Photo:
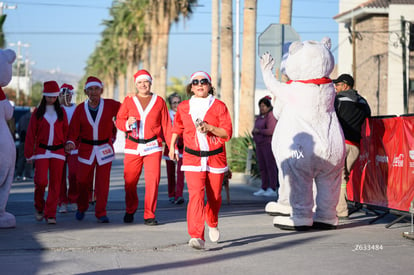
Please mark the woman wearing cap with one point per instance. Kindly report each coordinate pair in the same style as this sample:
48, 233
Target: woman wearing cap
68, 196
46, 135
145, 120
92, 127
264, 127
205, 124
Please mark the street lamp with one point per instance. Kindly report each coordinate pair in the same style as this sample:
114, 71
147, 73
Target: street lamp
5, 6
19, 44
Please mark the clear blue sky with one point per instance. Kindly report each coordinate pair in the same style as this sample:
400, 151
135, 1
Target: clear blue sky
62, 34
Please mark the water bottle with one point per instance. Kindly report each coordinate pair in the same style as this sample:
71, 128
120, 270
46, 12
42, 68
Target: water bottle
134, 130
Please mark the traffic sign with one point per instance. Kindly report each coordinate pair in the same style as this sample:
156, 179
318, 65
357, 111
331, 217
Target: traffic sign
276, 39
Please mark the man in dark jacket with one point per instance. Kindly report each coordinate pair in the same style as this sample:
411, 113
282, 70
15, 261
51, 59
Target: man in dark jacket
352, 110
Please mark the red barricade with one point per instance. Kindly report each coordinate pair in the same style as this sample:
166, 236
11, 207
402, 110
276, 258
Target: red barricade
383, 175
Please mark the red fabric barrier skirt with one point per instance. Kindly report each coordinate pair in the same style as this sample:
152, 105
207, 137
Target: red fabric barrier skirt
383, 175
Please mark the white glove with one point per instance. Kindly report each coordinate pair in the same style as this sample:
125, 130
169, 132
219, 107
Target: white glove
266, 62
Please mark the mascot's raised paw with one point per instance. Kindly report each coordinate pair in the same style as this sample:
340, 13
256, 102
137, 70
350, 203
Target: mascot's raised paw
266, 62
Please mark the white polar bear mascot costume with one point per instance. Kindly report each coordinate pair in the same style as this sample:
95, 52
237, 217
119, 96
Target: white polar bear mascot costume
308, 142
7, 146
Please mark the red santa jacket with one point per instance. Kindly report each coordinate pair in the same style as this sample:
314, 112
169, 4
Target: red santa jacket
153, 125
217, 115
95, 137
46, 137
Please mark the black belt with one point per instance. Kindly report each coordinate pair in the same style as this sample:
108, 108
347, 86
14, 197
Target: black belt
141, 140
94, 142
203, 153
51, 147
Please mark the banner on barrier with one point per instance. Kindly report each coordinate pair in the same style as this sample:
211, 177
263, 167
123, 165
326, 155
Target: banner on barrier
383, 175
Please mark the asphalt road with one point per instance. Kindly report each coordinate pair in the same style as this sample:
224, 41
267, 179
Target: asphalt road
249, 242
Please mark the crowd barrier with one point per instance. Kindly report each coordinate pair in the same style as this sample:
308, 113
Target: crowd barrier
383, 175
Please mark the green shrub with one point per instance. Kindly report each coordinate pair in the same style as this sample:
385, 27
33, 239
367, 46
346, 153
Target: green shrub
237, 152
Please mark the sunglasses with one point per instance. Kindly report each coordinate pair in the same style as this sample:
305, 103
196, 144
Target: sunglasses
203, 81
175, 102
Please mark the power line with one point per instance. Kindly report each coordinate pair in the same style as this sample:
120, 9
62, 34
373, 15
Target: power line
59, 5
171, 33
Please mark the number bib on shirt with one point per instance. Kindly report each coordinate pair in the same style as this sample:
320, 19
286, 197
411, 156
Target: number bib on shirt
104, 154
151, 147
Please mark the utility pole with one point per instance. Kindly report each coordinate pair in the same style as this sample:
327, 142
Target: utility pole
237, 73
353, 37
215, 44
285, 18
5, 6
403, 41
378, 58
19, 44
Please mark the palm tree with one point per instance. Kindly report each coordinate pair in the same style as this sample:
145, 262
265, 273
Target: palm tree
137, 34
162, 14
129, 34
248, 70
2, 39
226, 55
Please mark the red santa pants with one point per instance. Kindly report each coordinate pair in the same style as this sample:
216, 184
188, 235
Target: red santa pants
132, 171
69, 195
85, 177
48, 172
175, 186
198, 214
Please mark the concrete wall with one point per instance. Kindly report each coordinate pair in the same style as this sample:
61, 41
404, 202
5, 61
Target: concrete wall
395, 99
372, 62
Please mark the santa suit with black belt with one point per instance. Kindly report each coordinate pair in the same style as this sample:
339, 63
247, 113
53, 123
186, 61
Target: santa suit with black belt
44, 144
204, 160
143, 149
95, 151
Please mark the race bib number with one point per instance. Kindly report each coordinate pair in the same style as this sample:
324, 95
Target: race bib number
150, 146
104, 154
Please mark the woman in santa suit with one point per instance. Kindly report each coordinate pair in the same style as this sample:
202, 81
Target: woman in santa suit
205, 124
45, 139
145, 120
92, 128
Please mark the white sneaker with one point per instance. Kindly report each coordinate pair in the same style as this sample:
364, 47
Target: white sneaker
63, 208
270, 193
214, 234
259, 193
196, 243
39, 216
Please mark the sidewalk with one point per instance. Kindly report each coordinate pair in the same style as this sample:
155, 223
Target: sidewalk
249, 244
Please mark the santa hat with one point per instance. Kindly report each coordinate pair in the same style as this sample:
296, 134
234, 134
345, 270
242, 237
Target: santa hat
201, 73
142, 75
66, 88
51, 88
93, 81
